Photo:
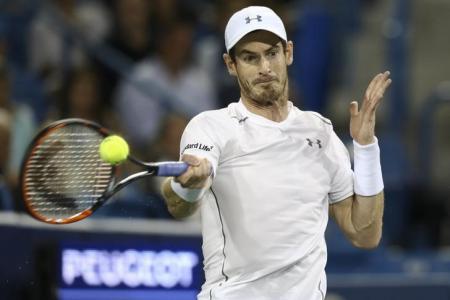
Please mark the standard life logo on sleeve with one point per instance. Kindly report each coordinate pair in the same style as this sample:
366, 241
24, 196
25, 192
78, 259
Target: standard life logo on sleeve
198, 146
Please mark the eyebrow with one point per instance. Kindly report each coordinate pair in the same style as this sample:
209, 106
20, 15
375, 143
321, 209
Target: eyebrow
274, 47
245, 51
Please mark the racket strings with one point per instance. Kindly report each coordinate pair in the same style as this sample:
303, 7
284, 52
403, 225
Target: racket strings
65, 175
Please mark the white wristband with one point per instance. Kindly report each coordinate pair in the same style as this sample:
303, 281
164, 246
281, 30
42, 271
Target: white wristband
368, 179
189, 195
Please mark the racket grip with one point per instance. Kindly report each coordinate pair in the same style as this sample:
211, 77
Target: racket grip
171, 169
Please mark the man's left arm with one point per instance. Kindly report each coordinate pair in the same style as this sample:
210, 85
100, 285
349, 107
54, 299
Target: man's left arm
360, 216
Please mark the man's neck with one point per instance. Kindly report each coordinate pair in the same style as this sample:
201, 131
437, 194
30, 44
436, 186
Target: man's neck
277, 111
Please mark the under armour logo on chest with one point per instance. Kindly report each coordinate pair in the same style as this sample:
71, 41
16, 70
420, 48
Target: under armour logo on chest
248, 19
317, 142
242, 120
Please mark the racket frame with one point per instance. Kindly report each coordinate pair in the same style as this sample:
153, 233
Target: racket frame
37, 140
150, 169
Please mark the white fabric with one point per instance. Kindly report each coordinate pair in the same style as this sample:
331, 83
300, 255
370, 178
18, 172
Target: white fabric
368, 177
189, 195
250, 19
263, 220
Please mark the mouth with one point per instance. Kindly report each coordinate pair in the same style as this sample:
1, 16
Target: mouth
264, 80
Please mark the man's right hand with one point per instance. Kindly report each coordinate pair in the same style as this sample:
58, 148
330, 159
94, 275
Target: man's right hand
198, 173
197, 176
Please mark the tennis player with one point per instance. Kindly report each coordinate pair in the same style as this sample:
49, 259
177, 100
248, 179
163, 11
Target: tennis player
267, 175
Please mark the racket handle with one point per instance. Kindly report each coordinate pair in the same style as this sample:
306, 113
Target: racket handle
171, 168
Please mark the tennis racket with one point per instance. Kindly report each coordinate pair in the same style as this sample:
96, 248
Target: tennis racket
64, 180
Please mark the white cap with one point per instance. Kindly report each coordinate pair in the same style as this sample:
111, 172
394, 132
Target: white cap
250, 19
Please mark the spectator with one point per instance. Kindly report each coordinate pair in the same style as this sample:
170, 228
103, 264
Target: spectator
53, 49
22, 125
6, 200
130, 36
80, 98
165, 11
166, 148
167, 144
170, 78
211, 47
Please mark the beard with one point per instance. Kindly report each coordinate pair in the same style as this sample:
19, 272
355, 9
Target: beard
264, 93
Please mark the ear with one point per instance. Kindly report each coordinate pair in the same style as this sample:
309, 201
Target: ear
231, 65
289, 53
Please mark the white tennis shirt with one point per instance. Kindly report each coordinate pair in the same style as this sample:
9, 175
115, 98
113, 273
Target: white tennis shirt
264, 218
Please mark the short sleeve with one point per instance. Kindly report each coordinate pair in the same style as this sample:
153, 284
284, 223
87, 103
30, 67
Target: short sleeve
341, 170
199, 139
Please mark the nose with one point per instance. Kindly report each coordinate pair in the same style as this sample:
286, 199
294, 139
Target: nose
265, 66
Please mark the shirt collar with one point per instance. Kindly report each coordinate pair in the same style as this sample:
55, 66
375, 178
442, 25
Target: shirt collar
241, 112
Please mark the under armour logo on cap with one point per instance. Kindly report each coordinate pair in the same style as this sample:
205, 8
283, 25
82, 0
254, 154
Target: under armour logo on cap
255, 18
248, 19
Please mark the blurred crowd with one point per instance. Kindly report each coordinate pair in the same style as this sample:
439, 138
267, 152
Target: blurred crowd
143, 68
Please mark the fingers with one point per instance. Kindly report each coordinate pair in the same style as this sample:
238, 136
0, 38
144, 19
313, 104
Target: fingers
375, 91
380, 86
370, 88
371, 92
384, 85
379, 89
353, 109
190, 159
197, 173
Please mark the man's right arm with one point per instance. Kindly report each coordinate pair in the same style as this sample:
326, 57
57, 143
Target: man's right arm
178, 207
182, 194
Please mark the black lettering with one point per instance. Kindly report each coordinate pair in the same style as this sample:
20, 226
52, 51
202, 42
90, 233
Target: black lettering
199, 146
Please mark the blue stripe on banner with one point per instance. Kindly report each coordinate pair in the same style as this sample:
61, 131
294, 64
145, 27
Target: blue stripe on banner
113, 294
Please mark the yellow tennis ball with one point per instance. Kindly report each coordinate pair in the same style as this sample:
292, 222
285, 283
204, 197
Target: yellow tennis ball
114, 149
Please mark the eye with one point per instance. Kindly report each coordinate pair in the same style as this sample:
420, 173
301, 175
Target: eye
249, 58
273, 53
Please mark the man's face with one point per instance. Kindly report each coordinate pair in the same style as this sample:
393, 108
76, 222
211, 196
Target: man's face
260, 66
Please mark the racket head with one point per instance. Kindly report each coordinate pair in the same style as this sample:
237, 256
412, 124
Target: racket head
63, 178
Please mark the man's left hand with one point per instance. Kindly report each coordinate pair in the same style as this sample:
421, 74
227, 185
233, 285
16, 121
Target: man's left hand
362, 122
